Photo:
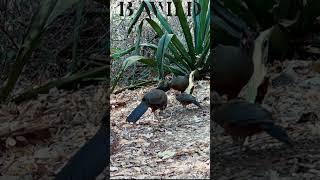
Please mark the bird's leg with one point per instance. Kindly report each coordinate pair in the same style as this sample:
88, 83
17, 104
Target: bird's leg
157, 117
184, 107
160, 113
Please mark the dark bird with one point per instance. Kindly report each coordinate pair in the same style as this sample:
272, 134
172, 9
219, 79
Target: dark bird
232, 67
186, 99
164, 85
91, 159
242, 119
155, 99
180, 83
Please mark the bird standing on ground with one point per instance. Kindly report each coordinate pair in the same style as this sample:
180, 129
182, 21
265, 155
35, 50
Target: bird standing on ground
186, 99
180, 83
232, 67
164, 85
242, 119
155, 99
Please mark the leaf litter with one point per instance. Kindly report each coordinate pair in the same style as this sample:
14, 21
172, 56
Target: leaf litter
177, 146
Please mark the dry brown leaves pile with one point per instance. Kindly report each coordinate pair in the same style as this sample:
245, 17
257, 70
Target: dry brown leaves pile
37, 137
177, 146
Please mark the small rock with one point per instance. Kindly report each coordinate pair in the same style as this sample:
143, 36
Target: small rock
112, 169
10, 142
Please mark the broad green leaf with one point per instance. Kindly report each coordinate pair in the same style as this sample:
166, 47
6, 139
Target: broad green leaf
172, 48
202, 58
262, 11
131, 60
175, 40
185, 27
30, 42
168, 56
136, 17
238, 8
228, 17
137, 44
117, 55
60, 7
162, 48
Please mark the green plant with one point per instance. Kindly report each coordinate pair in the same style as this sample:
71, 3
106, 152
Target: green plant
172, 55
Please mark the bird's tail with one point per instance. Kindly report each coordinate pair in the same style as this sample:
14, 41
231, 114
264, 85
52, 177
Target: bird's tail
137, 112
197, 103
278, 133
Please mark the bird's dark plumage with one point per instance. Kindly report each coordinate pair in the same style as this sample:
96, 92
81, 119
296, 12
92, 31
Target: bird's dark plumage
185, 99
164, 86
138, 112
155, 99
232, 67
241, 119
91, 159
180, 83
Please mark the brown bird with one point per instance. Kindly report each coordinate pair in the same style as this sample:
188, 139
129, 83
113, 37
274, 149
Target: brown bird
155, 99
242, 119
164, 85
232, 67
186, 99
180, 83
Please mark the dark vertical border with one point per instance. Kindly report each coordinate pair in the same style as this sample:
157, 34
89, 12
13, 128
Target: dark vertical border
211, 78
108, 108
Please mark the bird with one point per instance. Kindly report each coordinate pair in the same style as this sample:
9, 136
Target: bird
186, 99
179, 83
164, 85
155, 99
91, 159
242, 119
232, 67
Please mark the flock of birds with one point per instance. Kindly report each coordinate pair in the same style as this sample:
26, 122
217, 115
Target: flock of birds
157, 98
233, 68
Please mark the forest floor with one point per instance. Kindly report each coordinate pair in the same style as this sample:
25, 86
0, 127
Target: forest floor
294, 100
175, 147
39, 136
